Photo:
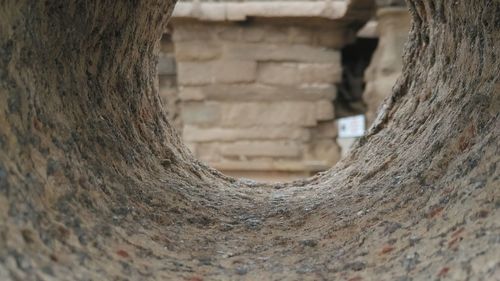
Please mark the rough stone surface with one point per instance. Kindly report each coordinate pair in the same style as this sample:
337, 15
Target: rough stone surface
96, 185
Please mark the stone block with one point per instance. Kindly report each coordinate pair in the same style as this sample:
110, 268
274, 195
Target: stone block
243, 10
197, 134
316, 91
201, 113
197, 51
191, 94
229, 32
270, 164
234, 71
251, 114
254, 34
319, 73
194, 73
325, 130
166, 65
324, 110
260, 92
279, 52
169, 94
191, 32
300, 35
209, 152
265, 33
256, 114
369, 30
275, 73
333, 38
201, 73
261, 148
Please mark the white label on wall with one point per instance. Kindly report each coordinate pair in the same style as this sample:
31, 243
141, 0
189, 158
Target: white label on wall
351, 127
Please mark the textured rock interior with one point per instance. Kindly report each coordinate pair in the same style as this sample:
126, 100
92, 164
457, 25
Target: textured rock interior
95, 183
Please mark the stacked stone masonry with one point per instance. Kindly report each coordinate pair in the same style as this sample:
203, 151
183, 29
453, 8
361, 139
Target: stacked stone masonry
253, 94
259, 96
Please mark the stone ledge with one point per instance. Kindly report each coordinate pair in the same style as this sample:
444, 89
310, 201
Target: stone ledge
369, 30
261, 148
282, 166
217, 134
240, 11
257, 92
402, 11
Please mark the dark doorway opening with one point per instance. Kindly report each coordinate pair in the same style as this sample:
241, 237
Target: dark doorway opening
355, 59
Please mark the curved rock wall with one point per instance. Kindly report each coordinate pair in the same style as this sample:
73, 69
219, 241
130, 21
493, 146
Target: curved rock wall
95, 184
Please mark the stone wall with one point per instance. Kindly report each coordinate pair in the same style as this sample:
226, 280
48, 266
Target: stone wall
386, 65
257, 98
167, 80
252, 86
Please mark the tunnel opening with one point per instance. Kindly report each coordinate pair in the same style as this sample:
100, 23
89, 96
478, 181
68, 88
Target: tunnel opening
271, 116
96, 185
356, 58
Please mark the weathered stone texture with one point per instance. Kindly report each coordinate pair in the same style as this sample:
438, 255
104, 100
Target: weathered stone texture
96, 185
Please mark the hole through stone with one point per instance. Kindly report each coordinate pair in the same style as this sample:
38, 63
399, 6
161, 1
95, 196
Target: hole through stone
96, 184
253, 112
